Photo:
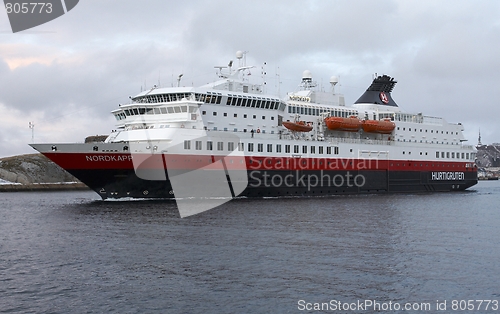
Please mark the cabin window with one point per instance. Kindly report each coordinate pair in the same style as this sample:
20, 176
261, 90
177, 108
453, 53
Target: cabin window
241, 147
203, 112
198, 145
230, 146
255, 116
225, 114
260, 147
220, 145
437, 154
236, 115
245, 116
329, 150
184, 108
214, 113
336, 150
170, 110
320, 150
187, 144
269, 148
463, 155
278, 148
304, 149
250, 147
263, 117
287, 149
210, 145
313, 149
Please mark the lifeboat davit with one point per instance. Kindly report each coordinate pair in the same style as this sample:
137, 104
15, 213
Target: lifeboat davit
385, 126
351, 124
299, 126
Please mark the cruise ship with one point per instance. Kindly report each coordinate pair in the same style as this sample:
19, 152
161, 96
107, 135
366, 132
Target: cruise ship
230, 138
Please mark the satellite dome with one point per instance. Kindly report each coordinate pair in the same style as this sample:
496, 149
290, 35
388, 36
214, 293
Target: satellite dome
239, 54
307, 75
334, 80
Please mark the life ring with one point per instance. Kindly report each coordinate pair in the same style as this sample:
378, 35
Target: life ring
258, 130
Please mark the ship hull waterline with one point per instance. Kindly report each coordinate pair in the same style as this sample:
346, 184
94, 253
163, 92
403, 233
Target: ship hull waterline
266, 178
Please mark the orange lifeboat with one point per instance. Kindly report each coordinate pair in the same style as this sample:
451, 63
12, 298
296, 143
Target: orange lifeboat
385, 126
299, 126
351, 124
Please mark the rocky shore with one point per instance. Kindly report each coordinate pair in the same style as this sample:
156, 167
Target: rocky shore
35, 172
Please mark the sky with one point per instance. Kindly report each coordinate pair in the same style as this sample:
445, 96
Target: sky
65, 76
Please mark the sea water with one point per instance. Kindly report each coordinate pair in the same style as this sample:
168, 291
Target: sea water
69, 252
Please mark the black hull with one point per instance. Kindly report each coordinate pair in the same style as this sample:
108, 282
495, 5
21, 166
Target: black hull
110, 183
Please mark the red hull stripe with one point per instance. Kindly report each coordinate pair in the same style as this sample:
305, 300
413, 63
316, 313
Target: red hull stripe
82, 161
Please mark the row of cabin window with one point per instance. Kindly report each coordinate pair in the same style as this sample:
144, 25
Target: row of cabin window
254, 102
157, 110
405, 117
153, 99
318, 111
297, 149
455, 155
235, 115
426, 141
432, 131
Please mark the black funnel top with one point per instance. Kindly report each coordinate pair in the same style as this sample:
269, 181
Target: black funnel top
379, 92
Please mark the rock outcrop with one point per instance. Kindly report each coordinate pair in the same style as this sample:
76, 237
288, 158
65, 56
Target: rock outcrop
32, 169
